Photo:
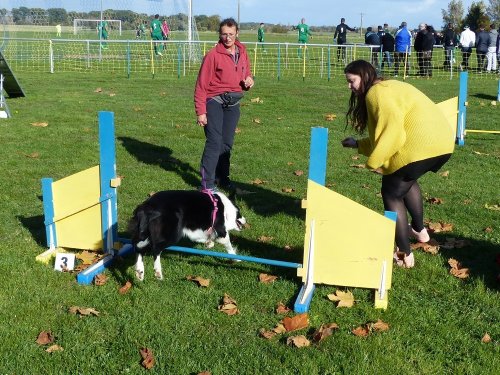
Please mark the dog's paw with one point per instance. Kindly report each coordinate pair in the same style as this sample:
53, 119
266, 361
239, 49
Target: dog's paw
139, 275
158, 275
209, 244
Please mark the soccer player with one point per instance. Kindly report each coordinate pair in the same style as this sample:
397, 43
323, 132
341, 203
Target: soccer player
156, 34
341, 36
103, 32
304, 34
260, 36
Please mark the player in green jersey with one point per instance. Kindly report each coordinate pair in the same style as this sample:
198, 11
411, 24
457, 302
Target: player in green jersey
102, 31
260, 36
304, 34
156, 34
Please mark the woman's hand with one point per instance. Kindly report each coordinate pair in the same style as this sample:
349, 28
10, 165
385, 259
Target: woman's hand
202, 120
248, 83
350, 142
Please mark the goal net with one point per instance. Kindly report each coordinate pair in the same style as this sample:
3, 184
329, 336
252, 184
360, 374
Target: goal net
86, 26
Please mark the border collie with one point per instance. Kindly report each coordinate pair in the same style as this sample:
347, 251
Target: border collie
167, 216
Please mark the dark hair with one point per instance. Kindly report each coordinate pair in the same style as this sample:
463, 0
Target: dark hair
357, 115
229, 22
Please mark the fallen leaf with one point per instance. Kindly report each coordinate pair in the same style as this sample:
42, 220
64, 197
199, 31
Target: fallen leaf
87, 257
279, 329
488, 230
379, 326
255, 100
440, 227
199, 280
256, 120
324, 331
267, 334
359, 166
84, 311
54, 348
457, 270
330, 117
361, 331
434, 200
237, 131
267, 279
257, 181
228, 305
344, 299
148, 360
494, 207
298, 173
282, 309
296, 322
355, 157
40, 124
44, 338
444, 174
33, 155
265, 239
486, 338
479, 153
289, 163
125, 288
431, 247
279, 118
100, 279
298, 341
98, 89
112, 94
287, 190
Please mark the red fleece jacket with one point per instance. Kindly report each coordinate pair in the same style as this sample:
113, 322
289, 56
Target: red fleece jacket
219, 74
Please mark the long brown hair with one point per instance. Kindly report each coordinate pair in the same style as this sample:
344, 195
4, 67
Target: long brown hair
357, 114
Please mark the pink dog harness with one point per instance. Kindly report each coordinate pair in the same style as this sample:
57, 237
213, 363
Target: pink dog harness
214, 211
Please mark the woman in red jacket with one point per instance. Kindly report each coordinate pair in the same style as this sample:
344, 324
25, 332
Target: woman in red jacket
224, 75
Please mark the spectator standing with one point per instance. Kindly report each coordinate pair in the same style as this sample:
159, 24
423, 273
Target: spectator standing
449, 44
402, 47
341, 36
156, 34
387, 46
165, 30
482, 43
303, 35
372, 39
424, 42
408, 136
492, 50
224, 74
260, 36
467, 41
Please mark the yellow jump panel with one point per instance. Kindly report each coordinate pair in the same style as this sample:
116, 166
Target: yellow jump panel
353, 244
77, 212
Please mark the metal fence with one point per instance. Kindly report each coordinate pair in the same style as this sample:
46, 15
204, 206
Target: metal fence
274, 60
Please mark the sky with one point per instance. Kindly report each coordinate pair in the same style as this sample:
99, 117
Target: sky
286, 12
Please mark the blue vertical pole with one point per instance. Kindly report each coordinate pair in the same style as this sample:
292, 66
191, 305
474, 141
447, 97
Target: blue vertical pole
128, 60
107, 172
317, 156
498, 92
462, 109
48, 210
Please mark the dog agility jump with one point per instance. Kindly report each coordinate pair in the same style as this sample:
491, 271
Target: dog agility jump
81, 213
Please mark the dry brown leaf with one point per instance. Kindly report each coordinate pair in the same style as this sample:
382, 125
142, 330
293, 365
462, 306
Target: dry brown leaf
457, 270
255, 100
33, 155
298, 172
282, 309
228, 305
330, 117
288, 248
344, 299
298, 341
361, 331
444, 174
355, 157
431, 247
296, 322
199, 280
287, 190
98, 89
40, 124
83, 311
486, 338
494, 207
488, 230
267, 279
379, 326
125, 288
265, 239
440, 227
267, 334
148, 361
434, 200
44, 338
289, 163
100, 279
87, 257
54, 348
279, 329
256, 120
112, 94
257, 181
324, 331
359, 166
237, 130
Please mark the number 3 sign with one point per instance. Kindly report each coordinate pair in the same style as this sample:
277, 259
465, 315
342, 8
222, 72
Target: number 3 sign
64, 262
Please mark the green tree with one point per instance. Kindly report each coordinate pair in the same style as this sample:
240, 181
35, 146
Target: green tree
453, 14
19, 15
57, 16
493, 10
477, 16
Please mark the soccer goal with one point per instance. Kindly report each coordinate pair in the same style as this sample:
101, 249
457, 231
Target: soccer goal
86, 25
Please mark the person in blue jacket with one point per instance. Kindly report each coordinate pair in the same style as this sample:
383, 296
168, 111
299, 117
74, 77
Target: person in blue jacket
402, 47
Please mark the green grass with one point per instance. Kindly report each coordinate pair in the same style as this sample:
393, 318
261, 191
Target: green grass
436, 321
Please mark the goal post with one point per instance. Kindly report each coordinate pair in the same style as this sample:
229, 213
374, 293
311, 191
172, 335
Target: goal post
87, 24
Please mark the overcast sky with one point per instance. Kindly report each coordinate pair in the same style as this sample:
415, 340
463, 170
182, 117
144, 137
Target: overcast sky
288, 12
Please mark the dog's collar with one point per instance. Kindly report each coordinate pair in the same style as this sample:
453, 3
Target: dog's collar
214, 210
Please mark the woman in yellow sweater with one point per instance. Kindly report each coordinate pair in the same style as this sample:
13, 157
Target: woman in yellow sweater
408, 136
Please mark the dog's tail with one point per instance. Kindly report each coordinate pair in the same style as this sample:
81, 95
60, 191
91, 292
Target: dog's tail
139, 228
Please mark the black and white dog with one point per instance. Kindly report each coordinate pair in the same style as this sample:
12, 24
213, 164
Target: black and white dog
167, 216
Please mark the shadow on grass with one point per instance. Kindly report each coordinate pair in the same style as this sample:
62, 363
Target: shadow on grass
485, 96
482, 258
262, 201
36, 226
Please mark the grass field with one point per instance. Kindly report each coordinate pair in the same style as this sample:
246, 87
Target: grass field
436, 321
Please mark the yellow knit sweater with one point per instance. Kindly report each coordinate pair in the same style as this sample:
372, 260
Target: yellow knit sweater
404, 126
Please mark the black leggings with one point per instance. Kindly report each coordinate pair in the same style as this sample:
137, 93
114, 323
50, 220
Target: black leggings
401, 194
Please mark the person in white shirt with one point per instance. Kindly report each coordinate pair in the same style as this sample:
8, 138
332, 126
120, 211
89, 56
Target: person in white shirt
467, 41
